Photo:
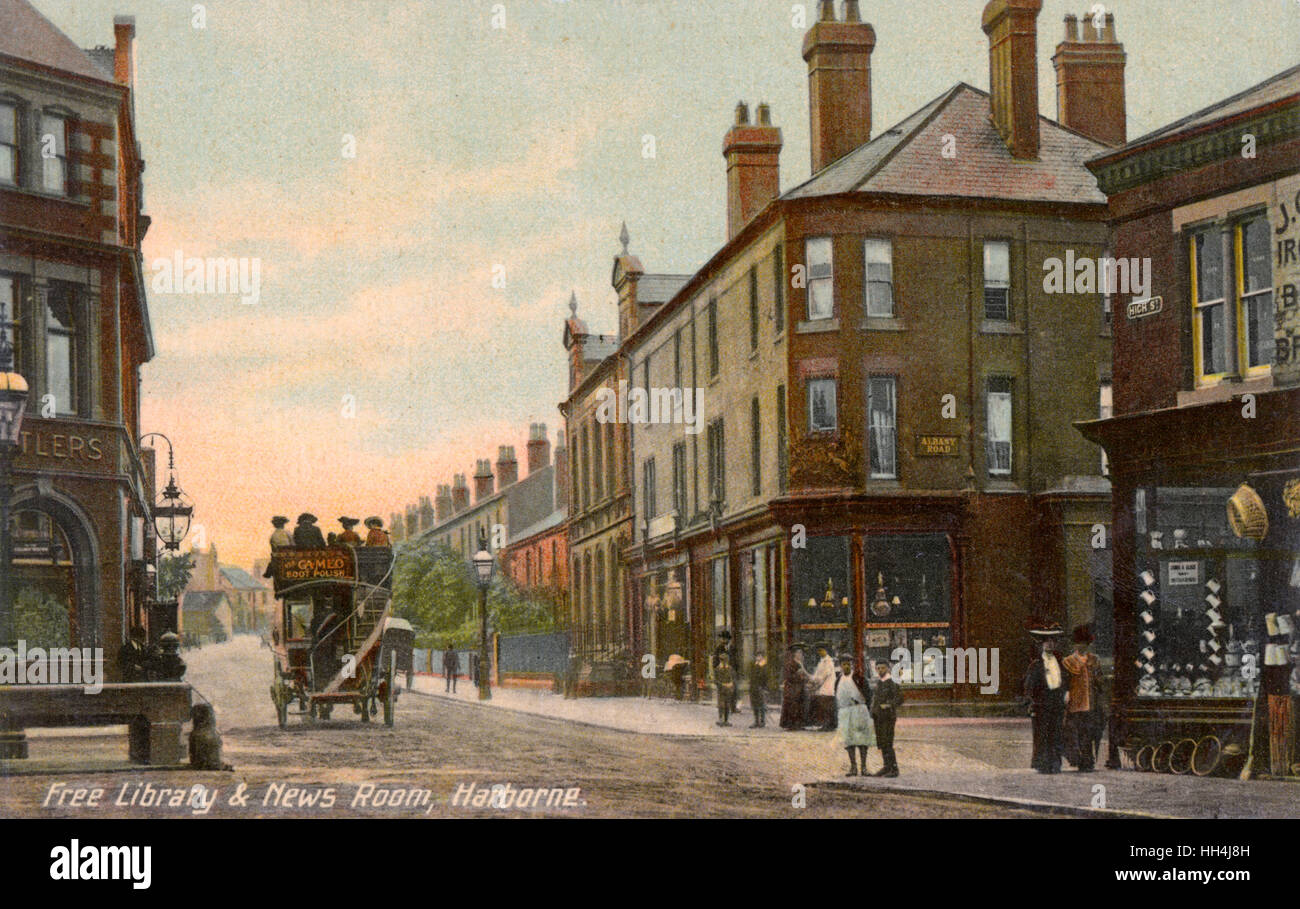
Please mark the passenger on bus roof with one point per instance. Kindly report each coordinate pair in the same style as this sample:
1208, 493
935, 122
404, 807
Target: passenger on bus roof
307, 533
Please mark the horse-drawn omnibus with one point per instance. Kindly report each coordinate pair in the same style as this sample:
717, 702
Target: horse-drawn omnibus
333, 643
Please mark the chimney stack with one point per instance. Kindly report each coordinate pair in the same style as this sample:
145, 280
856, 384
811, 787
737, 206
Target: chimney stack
426, 514
561, 471
443, 507
753, 154
507, 467
1012, 27
482, 480
412, 522
1090, 81
539, 447
839, 83
459, 493
123, 38
396, 526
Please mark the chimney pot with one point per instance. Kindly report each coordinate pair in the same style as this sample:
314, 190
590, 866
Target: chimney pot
838, 55
1071, 27
1012, 28
851, 11
1090, 84
827, 11
539, 448
753, 156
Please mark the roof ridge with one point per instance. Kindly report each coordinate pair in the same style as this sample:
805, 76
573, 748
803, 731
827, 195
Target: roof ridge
1222, 102
939, 103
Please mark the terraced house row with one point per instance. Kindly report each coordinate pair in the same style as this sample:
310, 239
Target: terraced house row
884, 452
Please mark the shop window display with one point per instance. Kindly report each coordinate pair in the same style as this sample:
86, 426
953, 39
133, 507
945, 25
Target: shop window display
908, 600
1208, 599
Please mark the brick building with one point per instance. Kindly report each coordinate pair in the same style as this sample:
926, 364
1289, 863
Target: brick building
72, 302
1206, 428
886, 378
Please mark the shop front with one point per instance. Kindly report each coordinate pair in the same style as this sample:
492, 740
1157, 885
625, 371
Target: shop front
1207, 587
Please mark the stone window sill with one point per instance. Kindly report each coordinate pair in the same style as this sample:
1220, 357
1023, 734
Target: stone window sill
816, 326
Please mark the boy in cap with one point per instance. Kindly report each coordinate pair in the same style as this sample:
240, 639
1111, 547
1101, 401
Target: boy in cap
377, 535
759, 679
884, 714
1083, 702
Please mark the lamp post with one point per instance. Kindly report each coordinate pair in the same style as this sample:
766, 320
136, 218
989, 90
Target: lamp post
173, 510
483, 563
13, 403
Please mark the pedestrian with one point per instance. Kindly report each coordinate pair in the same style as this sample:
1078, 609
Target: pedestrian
1046, 687
450, 667
1084, 716
727, 647
725, 680
474, 668
885, 705
794, 681
822, 686
760, 678
854, 716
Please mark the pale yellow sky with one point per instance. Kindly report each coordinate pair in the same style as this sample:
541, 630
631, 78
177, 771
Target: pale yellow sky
477, 147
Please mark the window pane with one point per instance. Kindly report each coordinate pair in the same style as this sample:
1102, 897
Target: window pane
997, 303
880, 276
997, 264
999, 428
1257, 272
1213, 347
1260, 346
882, 405
1209, 266
821, 299
8, 124
8, 164
821, 405
58, 352
819, 257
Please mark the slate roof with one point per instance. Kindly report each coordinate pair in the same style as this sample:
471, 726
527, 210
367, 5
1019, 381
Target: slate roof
908, 159
239, 578
550, 522
653, 289
27, 35
1276, 88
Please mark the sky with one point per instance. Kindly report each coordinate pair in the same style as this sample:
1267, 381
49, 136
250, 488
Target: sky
422, 189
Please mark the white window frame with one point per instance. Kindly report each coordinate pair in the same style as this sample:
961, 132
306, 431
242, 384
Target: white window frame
819, 257
9, 114
994, 282
878, 255
825, 382
884, 436
1000, 427
57, 166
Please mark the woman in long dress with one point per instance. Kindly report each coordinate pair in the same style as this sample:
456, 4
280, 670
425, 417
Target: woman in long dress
854, 715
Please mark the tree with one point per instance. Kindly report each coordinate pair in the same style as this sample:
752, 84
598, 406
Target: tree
435, 590
174, 576
40, 619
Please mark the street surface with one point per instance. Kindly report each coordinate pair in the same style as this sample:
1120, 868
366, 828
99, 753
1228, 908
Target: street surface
439, 745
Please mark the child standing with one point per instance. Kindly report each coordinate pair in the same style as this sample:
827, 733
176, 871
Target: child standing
759, 679
725, 679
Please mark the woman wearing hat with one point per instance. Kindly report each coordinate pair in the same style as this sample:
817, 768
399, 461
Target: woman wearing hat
1046, 686
793, 680
377, 535
307, 534
349, 537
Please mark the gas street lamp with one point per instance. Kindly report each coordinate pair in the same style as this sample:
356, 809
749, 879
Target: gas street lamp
173, 510
483, 564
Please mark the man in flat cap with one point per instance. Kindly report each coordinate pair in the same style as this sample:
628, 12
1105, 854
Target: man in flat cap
377, 535
349, 537
307, 534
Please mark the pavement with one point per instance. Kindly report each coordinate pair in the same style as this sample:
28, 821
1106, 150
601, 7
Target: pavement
961, 759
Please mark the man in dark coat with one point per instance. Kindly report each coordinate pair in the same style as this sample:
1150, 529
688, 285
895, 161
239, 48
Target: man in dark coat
307, 534
727, 648
1046, 685
793, 681
760, 678
884, 714
450, 667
